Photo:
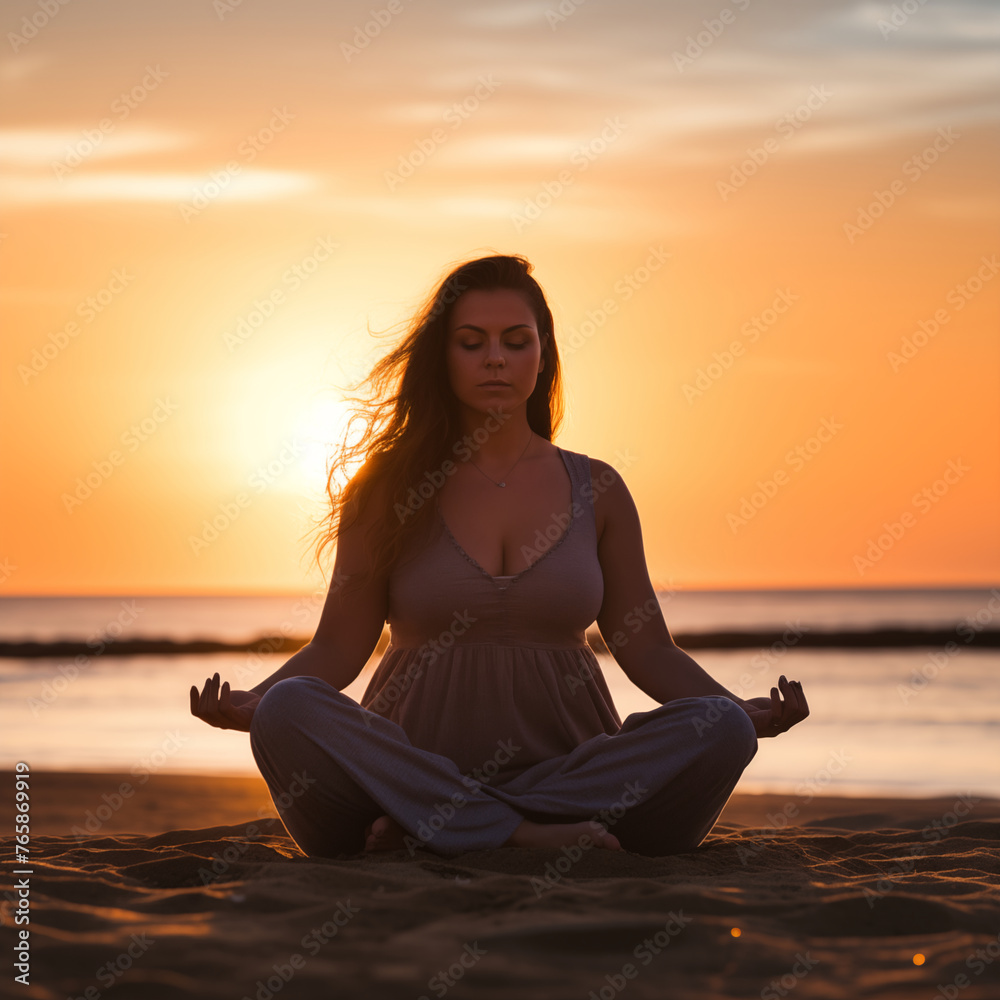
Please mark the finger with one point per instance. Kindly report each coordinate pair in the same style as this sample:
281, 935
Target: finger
775, 711
803, 704
798, 709
213, 694
226, 709
210, 700
195, 699
791, 698
203, 701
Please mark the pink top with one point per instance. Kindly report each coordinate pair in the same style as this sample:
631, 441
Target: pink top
483, 668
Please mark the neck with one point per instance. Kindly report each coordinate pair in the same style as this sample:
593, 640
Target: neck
496, 437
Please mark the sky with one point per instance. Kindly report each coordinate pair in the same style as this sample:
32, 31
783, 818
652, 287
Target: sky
768, 233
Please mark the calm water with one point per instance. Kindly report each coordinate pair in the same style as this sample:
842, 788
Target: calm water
885, 721
45, 619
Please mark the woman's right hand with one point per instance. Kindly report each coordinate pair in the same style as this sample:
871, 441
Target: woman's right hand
224, 709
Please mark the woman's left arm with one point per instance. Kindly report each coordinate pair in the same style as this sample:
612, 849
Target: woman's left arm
632, 624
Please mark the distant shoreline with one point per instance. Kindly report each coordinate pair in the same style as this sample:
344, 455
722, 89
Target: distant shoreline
813, 638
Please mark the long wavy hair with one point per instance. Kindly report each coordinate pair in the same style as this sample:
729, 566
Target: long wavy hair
412, 421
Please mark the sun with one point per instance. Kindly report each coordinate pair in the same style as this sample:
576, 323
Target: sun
319, 430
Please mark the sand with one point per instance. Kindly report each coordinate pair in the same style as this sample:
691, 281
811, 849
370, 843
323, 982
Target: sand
188, 887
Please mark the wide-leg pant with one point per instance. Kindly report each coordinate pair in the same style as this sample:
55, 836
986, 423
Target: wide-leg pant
332, 767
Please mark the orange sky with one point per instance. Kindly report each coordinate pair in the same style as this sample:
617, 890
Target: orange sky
171, 175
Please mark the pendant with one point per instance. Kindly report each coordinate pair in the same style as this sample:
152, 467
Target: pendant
501, 484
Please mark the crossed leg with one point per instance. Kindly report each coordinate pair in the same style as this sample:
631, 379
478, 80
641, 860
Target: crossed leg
661, 781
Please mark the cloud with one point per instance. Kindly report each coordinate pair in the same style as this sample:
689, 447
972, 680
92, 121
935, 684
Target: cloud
42, 147
248, 185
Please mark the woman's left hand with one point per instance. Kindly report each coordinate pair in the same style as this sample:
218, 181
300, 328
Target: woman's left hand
223, 709
777, 714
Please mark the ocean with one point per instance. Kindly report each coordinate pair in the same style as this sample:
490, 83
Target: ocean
883, 721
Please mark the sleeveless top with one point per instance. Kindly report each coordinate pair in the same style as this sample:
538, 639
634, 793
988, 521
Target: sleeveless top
495, 673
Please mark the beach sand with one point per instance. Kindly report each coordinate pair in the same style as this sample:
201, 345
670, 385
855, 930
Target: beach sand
184, 886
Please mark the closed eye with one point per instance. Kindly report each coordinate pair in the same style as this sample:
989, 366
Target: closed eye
474, 347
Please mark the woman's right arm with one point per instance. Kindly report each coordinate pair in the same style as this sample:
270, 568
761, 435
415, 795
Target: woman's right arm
348, 631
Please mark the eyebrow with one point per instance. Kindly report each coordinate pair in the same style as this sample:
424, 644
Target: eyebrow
479, 329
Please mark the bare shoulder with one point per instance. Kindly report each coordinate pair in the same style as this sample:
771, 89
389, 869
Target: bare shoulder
609, 491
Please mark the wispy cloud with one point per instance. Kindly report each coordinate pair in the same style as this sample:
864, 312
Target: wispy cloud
43, 147
248, 185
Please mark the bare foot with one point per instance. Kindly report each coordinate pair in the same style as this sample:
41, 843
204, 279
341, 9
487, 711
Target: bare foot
385, 834
530, 834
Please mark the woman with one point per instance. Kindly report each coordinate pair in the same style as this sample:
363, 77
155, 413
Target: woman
489, 550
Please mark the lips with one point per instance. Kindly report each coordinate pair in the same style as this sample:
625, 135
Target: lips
494, 383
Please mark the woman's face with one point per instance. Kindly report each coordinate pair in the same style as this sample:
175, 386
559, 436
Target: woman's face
493, 335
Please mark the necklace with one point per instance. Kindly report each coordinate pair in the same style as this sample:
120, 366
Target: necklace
511, 469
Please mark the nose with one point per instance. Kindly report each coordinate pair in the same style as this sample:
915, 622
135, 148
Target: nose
494, 358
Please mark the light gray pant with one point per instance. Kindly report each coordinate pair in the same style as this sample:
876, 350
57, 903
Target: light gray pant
332, 767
